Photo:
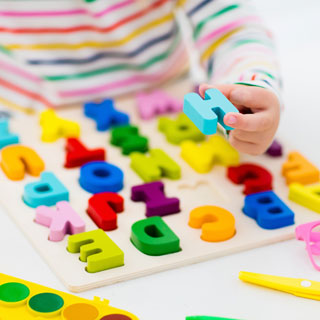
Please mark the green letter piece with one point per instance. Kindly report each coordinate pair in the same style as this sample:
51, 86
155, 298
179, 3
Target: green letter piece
97, 249
128, 138
152, 168
180, 129
153, 237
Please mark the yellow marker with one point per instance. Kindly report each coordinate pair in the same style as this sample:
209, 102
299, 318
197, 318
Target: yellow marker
54, 127
203, 157
25, 300
298, 169
298, 287
308, 197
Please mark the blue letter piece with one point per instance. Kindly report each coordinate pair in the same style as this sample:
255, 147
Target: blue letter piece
268, 210
6, 138
100, 176
105, 115
48, 191
206, 114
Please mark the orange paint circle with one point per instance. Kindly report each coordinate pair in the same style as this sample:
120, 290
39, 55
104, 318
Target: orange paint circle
80, 311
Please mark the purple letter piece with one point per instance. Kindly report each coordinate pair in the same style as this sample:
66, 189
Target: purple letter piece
156, 202
275, 150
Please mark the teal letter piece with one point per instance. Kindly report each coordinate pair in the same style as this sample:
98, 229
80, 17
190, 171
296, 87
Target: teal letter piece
48, 191
6, 138
206, 114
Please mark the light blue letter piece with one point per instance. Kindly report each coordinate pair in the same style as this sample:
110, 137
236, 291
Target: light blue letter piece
206, 114
48, 191
6, 138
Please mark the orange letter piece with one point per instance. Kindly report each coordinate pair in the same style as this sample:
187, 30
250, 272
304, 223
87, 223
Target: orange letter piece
18, 159
299, 169
217, 224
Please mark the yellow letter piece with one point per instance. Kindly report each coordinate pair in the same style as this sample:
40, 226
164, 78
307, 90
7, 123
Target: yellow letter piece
299, 169
18, 159
308, 197
203, 157
217, 223
54, 127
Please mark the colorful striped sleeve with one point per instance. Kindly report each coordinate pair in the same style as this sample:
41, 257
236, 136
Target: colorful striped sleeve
20, 88
57, 53
75, 51
234, 45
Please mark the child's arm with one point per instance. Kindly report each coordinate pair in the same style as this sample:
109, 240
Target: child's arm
238, 55
20, 88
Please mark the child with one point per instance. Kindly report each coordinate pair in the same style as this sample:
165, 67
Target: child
58, 52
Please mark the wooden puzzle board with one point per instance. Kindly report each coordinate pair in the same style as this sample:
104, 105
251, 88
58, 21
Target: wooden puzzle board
193, 189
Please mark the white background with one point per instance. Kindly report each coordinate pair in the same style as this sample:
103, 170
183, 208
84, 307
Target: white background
212, 288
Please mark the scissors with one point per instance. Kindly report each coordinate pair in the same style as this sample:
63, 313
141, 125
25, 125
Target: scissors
205, 318
298, 287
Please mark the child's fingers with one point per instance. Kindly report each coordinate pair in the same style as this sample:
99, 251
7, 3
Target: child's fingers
202, 89
248, 136
224, 88
245, 147
262, 139
252, 97
255, 122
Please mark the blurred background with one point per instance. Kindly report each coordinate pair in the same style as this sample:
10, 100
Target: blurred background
296, 28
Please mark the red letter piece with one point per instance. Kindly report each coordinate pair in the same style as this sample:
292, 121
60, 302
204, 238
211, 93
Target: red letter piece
78, 155
255, 178
103, 208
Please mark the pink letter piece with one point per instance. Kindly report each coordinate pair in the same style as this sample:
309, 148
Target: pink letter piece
64, 220
156, 102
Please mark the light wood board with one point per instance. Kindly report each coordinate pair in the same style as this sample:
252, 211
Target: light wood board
193, 190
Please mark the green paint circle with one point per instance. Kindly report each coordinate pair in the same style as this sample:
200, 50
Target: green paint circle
13, 292
46, 302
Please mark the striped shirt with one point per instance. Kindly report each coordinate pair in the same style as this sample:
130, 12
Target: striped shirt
57, 52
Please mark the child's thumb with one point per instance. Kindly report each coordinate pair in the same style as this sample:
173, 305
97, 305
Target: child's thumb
247, 122
241, 96
250, 97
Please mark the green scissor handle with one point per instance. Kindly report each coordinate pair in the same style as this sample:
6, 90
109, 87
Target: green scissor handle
207, 318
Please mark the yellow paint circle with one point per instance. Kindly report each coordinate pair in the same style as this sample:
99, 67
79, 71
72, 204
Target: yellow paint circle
80, 311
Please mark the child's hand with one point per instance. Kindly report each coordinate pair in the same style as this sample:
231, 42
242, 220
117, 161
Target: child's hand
257, 122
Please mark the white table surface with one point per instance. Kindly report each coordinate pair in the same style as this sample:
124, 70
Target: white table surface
212, 288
